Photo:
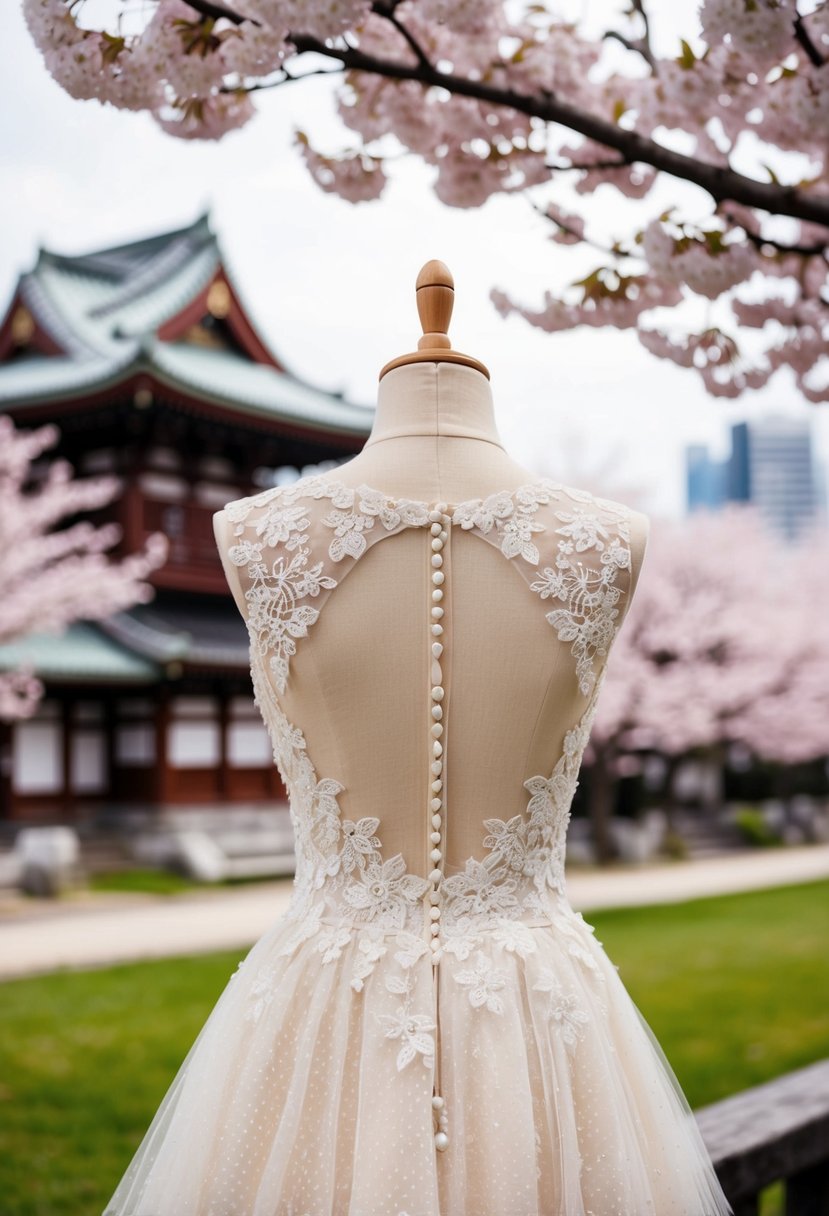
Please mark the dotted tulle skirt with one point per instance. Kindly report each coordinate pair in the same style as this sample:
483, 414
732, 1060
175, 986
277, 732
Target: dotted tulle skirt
309, 1093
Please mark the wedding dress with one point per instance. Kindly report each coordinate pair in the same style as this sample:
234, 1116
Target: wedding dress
430, 1029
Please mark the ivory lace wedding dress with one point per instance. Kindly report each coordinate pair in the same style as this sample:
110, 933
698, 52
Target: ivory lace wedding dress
430, 1029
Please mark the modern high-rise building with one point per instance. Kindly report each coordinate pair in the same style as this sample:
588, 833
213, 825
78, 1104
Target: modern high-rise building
706, 479
771, 465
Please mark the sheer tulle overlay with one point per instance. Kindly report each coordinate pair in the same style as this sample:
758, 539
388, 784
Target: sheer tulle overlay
437, 1039
289, 1102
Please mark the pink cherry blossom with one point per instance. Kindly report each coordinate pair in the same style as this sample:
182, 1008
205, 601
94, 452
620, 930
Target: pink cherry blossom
52, 576
726, 640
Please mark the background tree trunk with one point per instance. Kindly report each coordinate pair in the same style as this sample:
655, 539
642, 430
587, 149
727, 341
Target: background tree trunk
600, 805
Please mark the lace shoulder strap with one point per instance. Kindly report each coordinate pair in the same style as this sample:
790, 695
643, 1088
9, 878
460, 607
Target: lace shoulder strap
573, 549
293, 545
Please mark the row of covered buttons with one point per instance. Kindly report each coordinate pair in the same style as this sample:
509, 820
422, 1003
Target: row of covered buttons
439, 524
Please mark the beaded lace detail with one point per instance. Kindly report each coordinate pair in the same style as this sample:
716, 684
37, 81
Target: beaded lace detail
345, 889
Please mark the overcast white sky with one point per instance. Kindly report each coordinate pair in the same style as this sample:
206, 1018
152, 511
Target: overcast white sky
331, 285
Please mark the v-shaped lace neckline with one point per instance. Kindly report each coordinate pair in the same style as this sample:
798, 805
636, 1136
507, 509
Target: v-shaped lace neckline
364, 490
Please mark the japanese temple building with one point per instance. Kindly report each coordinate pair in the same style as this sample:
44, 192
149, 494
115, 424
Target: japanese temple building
145, 359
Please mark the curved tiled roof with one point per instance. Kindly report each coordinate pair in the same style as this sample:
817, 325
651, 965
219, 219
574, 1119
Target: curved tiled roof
104, 310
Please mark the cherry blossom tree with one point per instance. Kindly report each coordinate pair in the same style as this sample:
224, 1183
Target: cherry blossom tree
52, 576
507, 97
726, 641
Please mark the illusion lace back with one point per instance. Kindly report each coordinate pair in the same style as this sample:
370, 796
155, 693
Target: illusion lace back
430, 1029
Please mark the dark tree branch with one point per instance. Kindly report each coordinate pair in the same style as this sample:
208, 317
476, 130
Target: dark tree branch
388, 11
286, 78
597, 164
641, 45
208, 8
639, 5
608, 250
819, 249
805, 39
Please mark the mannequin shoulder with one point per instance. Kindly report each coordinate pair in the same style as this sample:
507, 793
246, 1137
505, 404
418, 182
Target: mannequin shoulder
639, 525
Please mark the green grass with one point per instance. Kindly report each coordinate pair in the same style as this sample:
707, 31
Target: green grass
156, 882
735, 988
165, 882
85, 1058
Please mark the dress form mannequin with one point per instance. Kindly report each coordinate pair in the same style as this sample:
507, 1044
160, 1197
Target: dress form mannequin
429, 1028
434, 439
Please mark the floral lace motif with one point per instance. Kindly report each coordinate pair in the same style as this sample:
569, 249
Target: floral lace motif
346, 893
563, 1009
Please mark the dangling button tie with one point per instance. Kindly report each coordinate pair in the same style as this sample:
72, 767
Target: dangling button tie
441, 1135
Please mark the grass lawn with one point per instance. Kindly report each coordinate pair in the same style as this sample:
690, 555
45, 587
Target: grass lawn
736, 989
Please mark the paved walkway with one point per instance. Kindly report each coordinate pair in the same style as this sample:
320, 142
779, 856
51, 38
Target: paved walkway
97, 929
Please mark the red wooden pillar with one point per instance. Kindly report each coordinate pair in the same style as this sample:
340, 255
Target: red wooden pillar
7, 799
108, 705
224, 791
162, 730
66, 796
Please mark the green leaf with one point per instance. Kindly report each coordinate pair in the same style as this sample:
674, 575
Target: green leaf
687, 59
112, 47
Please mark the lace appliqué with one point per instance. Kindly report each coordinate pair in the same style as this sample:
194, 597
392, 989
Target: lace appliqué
526, 855
279, 585
484, 982
590, 597
261, 992
340, 870
413, 1030
277, 615
564, 1009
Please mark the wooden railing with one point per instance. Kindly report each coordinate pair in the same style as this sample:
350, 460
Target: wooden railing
772, 1132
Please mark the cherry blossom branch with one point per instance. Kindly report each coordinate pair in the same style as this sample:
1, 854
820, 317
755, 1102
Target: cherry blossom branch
575, 229
388, 11
642, 46
819, 249
208, 8
719, 182
804, 38
286, 78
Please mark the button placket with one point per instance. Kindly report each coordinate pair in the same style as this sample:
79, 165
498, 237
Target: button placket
439, 522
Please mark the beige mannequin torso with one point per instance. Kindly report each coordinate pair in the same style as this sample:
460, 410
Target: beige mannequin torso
359, 684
